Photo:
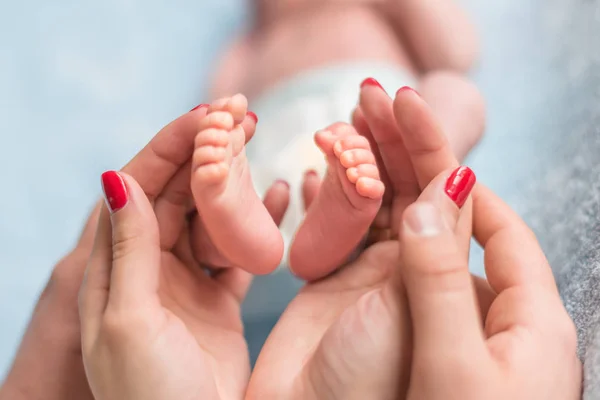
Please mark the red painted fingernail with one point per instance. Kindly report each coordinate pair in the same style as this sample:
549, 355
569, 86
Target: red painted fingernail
200, 106
459, 185
253, 116
406, 89
371, 82
115, 192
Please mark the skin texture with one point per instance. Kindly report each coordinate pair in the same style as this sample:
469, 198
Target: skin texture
49, 362
153, 325
525, 329
343, 208
314, 349
224, 193
292, 36
390, 313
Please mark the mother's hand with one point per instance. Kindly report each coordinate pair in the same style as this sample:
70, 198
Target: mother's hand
154, 324
49, 364
526, 347
348, 335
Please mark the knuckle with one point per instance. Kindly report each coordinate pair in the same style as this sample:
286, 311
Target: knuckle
67, 275
115, 327
448, 277
125, 241
119, 328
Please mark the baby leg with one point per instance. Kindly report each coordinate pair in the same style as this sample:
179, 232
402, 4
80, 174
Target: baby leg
235, 218
438, 32
458, 105
344, 208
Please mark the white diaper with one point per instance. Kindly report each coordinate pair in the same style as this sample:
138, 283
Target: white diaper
291, 113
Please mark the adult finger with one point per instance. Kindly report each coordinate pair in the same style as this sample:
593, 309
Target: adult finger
86, 238
435, 270
426, 145
376, 107
136, 254
310, 188
93, 293
172, 206
277, 200
513, 256
362, 127
159, 161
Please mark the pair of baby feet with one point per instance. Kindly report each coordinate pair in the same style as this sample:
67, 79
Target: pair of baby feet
238, 224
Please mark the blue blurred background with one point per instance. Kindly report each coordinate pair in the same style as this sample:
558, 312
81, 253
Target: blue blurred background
84, 85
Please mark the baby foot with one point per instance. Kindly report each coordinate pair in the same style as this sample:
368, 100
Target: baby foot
233, 215
346, 205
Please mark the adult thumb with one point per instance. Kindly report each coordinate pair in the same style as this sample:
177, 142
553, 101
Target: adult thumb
136, 253
435, 272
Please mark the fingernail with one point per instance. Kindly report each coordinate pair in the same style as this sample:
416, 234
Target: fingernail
253, 116
282, 182
371, 82
459, 185
199, 106
311, 173
424, 219
115, 192
407, 89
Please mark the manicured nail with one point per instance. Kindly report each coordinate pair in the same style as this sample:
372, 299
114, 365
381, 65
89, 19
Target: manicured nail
282, 182
424, 219
406, 89
460, 184
311, 173
199, 106
371, 82
253, 116
115, 192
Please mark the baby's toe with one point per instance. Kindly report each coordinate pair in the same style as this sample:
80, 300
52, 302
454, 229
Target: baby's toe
236, 105
355, 157
217, 120
349, 143
325, 139
210, 174
212, 137
364, 170
370, 187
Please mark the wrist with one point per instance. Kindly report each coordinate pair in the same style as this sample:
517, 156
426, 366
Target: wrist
48, 364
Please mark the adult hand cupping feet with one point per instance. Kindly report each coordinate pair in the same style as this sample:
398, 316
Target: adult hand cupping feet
348, 335
521, 344
409, 320
48, 364
155, 325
